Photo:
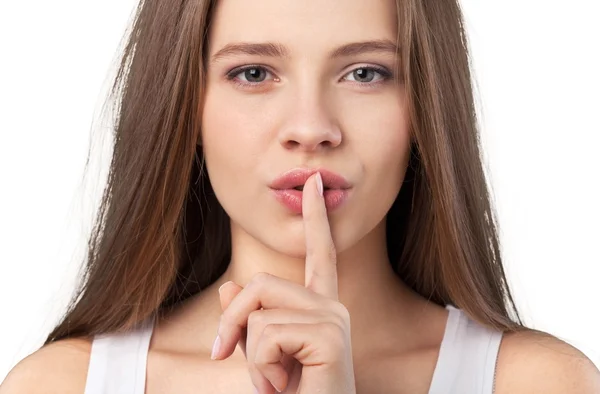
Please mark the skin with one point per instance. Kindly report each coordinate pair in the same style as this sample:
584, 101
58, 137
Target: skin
272, 318
310, 110
362, 329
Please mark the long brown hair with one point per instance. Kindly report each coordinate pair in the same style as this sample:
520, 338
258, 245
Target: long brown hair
160, 235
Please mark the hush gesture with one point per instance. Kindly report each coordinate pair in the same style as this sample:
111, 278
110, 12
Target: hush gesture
296, 338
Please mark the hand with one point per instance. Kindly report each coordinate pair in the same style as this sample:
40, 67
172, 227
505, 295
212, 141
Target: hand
296, 338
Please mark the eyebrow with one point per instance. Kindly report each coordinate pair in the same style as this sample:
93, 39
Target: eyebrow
271, 49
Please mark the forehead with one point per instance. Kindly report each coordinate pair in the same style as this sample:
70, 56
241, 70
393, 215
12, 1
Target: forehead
302, 24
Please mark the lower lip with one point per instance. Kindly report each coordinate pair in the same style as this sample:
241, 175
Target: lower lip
292, 199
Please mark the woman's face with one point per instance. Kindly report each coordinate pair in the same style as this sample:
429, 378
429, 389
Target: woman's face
289, 86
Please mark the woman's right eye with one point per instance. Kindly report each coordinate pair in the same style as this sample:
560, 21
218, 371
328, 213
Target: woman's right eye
249, 75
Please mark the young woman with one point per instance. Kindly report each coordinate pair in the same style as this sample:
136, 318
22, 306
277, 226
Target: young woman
297, 203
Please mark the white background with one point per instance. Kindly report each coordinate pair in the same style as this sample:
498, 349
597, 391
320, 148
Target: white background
537, 66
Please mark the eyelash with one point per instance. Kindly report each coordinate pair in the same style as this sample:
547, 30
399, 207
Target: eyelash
231, 75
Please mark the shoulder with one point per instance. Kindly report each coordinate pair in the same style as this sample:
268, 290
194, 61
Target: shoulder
536, 362
60, 367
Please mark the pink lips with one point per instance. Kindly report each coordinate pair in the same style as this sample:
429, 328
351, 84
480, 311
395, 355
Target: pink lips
284, 188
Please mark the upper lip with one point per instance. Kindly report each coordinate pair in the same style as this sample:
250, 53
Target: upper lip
298, 177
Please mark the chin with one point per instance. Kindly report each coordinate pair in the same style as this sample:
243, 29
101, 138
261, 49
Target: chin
291, 244
295, 253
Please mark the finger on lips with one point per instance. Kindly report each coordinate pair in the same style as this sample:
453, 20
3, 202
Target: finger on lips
273, 319
321, 264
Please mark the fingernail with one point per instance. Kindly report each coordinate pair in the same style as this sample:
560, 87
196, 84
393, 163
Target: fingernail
319, 184
255, 390
216, 348
223, 285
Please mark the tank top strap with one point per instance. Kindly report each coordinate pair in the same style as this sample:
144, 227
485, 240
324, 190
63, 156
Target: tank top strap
118, 361
467, 359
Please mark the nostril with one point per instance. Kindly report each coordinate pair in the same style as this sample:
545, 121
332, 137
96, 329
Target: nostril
291, 144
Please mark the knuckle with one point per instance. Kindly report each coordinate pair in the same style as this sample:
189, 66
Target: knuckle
310, 250
270, 331
256, 319
227, 319
338, 313
332, 330
260, 362
342, 313
310, 281
320, 249
336, 335
255, 374
259, 279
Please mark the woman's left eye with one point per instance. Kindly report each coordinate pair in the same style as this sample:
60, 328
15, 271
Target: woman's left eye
368, 74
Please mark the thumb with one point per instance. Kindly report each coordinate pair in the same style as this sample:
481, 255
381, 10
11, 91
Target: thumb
227, 292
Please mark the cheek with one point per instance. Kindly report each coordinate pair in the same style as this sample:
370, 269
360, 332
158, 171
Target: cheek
225, 150
381, 137
382, 141
231, 139
235, 141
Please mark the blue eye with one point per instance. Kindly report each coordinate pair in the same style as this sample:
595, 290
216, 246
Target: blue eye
249, 75
254, 75
367, 75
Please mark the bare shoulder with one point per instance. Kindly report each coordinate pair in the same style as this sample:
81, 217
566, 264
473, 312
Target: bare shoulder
60, 367
536, 362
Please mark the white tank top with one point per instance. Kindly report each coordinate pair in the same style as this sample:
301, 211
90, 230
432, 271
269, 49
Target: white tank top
466, 363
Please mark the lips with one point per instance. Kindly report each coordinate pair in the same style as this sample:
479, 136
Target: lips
288, 188
296, 178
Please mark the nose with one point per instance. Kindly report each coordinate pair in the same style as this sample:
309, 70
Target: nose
310, 126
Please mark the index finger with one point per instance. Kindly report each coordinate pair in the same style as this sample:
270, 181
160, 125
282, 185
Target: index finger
321, 260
